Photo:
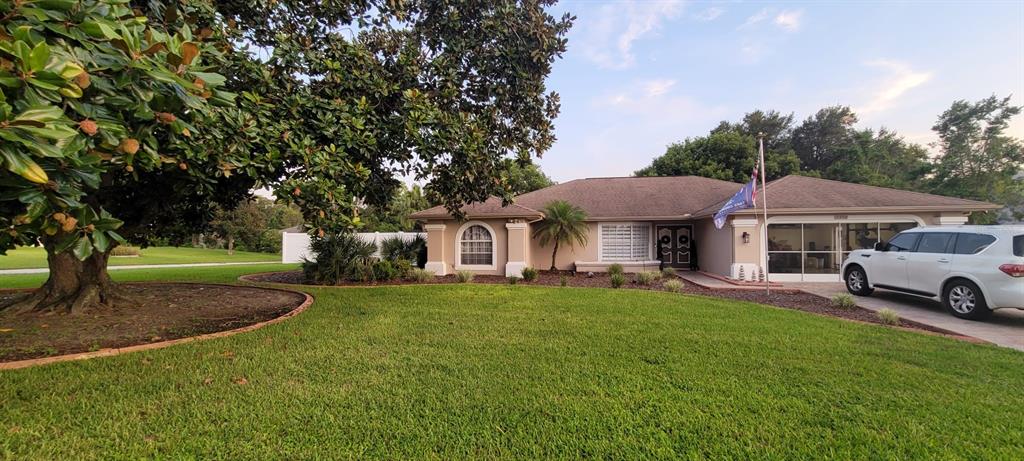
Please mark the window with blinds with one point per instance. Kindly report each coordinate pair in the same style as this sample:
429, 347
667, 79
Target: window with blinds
625, 242
477, 247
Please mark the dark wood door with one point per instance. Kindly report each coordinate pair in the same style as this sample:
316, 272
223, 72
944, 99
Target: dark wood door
674, 242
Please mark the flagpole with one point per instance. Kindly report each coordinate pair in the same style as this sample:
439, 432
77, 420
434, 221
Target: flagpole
764, 205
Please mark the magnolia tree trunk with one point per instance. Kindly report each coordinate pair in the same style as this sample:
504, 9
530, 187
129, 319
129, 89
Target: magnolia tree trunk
73, 286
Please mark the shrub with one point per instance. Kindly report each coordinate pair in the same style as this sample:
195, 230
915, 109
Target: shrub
618, 280
843, 301
530, 274
563, 280
340, 257
420, 275
888, 316
668, 272
413, 250
616, 269
125, 250
675, 286
464, 276
383, 271
646, 277
402, 267
513, 280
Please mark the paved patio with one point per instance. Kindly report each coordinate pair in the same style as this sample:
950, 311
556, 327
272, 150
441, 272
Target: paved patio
1005, 327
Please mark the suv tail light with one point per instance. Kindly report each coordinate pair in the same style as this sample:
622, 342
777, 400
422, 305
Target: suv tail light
1013, 270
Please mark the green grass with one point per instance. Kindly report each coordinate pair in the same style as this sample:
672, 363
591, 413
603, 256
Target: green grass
35, 257
499, 371
213, 274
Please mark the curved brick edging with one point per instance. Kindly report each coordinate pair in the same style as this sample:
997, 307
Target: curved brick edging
108, 352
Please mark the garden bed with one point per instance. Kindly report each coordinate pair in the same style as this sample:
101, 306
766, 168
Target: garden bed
163, 311
786, 298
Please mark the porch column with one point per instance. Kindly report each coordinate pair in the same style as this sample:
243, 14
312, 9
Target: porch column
518, 247
746, 251
435, 249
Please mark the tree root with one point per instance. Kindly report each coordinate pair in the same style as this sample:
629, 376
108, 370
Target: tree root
84, 300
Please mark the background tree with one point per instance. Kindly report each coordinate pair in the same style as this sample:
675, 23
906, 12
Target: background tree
818, 141
103, 135
880, 159
563, 224
394, 215
725, 154
977, 159
256, 224
526, 178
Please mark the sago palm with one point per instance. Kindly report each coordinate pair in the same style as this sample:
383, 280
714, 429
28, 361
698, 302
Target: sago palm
563, 224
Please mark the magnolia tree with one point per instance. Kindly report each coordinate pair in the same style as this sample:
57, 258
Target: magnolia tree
120, 121
366, 93
99, 106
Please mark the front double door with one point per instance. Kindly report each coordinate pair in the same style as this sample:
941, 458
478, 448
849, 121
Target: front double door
674, 244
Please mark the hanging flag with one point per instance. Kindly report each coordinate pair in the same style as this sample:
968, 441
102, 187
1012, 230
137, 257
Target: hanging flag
745, 198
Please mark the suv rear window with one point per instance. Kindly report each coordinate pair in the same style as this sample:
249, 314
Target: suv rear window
1018, 245
969, 244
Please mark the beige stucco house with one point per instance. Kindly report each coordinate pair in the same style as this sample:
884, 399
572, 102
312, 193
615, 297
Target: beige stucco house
643, 223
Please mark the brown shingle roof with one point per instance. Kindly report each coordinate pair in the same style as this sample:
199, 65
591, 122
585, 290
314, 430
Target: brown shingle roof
491, 208
669, 197
803, 193
634, 197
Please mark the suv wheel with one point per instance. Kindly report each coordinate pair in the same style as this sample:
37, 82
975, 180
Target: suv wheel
964, 299
857, 281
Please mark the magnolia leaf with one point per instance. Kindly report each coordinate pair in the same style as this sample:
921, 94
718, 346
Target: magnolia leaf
154, 49
23, 166
189, 51
39, 114
39, 56
211, 79
63, 245
82, 249
100, 241
71, 91
71, 70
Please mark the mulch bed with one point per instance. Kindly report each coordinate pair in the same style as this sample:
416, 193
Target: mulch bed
789, 299
162, 311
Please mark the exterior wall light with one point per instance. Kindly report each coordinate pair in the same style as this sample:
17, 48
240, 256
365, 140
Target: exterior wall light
746, 237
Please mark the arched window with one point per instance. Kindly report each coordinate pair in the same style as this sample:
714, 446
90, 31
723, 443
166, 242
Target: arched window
476, 246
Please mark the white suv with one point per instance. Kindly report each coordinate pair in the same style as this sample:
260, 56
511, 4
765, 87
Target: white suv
971, 269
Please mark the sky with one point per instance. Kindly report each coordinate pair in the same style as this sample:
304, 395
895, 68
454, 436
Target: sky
640, 74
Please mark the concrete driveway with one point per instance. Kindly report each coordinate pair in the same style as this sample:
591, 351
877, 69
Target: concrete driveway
1005, 327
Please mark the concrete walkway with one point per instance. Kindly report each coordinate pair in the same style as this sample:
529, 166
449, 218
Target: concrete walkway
1005, 327
139, 266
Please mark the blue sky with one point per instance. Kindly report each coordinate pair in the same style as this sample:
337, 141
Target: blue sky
640, 74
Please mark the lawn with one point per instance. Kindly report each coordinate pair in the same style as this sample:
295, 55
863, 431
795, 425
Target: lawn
479, 371
35, 257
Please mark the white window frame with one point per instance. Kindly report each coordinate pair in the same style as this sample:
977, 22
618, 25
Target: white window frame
458, 248
650, 241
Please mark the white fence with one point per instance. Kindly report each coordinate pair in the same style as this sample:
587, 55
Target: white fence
295, 245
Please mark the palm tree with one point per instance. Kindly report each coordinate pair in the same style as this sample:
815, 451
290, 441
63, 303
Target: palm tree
563, 223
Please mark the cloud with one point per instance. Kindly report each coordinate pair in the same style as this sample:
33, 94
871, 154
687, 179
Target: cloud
608, 38
658, 87
639, 94
709, 14
901, 78
755, 18
789, 20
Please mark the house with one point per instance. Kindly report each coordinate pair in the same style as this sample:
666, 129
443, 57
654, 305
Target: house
643, 223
